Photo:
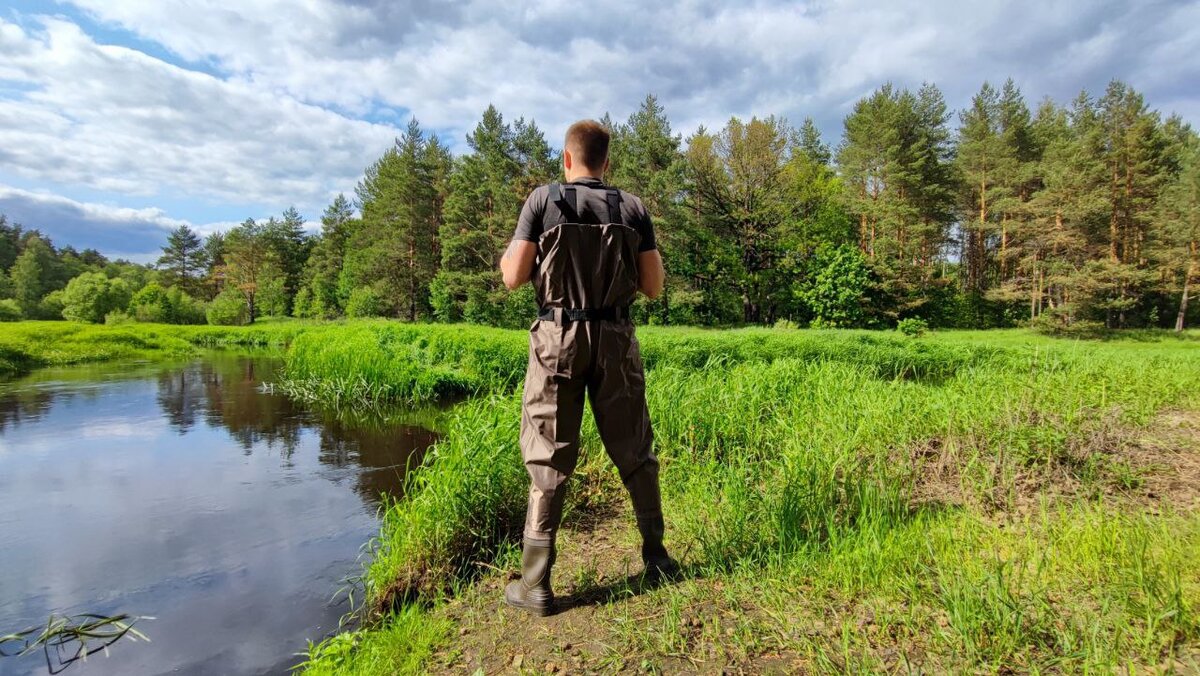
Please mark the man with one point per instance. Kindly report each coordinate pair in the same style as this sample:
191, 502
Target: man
588, 249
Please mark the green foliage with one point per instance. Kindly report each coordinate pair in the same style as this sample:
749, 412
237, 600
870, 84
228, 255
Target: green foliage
228, 309
153, 303
913, 327
10, 311
50, 307
366, 301
183, 259
1085, 212
92, 295
485, 194
30, 275
402, 645
833, 292
395, 248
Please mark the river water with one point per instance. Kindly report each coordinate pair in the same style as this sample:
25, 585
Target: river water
186, 493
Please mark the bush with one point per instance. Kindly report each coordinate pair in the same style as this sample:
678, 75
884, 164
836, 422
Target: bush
913, 327
228, 309
49, 307
1060, 325
92, 295
118, 317
366, 301
786, 324
10, 311
153, 303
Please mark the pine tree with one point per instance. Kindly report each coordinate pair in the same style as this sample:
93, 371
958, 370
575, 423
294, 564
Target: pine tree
1134, 154
183, 259
396, 250
981, 152
485, 192
810, 144
645, 159
1178, 242
252, 269
324, 263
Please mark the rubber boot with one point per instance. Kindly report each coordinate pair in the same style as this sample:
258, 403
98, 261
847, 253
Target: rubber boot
658, 563
532, 592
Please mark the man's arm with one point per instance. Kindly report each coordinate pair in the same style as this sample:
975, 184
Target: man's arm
517, 263
651, 273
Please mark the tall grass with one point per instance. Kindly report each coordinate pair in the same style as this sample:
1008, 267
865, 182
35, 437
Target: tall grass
28, 345
861, 466
814, 451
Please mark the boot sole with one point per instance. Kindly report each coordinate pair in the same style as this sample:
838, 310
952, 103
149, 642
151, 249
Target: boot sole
533, 609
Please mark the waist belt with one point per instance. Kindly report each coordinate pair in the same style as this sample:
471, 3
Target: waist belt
562, 315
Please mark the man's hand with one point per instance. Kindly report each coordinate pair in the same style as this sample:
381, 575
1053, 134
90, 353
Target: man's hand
517, 263
651, 274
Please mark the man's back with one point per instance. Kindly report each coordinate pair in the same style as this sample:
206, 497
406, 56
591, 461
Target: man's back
586, 248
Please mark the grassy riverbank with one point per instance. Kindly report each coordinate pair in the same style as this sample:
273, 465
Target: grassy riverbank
842, 500
28, 345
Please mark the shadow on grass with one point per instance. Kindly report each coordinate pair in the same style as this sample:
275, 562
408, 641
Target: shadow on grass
629, 587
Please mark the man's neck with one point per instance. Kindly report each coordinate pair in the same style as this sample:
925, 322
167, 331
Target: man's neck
587, 175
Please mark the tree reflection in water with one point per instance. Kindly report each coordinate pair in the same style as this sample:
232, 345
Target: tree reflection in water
226, 390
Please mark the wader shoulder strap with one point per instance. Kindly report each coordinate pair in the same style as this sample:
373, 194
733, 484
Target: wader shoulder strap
614, 205
563, 197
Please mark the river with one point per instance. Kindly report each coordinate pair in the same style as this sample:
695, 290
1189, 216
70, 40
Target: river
187, 493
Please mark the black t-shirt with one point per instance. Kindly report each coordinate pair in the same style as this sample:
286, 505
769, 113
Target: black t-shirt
590, 199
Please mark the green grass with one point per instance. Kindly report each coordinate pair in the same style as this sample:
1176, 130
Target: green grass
28, 345
967, 491
811, 455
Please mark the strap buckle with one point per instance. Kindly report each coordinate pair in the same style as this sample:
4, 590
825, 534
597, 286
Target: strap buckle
564, 315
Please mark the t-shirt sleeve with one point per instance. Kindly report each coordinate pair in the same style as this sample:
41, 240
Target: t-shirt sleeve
641, 222
529, 224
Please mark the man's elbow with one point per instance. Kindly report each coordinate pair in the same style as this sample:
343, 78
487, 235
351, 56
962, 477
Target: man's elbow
511, 282
652, 290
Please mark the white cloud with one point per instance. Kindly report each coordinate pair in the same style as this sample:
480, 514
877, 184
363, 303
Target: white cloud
280, 122
557, 61
117, 120
117, 232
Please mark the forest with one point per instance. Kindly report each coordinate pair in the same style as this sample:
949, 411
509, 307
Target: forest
1066, 217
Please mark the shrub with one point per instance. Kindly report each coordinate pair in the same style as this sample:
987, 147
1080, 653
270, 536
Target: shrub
913, 327
228, 309
92, 295
786, 324
10, 311
153, 303
117, 317
49, 307
366, 301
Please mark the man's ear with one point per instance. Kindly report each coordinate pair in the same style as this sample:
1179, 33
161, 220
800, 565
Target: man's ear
567, 160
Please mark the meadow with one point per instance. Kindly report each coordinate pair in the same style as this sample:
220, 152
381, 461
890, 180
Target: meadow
841, 500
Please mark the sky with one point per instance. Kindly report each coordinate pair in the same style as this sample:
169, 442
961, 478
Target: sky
123, 119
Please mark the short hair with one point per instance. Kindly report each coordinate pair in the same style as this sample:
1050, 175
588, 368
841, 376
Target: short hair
588, 142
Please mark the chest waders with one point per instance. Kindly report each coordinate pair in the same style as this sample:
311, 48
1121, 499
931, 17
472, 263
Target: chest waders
583, 343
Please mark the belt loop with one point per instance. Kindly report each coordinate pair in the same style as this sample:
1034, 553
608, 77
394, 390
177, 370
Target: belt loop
558, 316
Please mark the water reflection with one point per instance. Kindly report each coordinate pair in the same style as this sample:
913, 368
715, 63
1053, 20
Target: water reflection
185, 493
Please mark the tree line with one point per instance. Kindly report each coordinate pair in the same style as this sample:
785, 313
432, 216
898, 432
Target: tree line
1067, 217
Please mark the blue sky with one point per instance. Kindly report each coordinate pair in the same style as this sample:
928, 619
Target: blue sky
121, 119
